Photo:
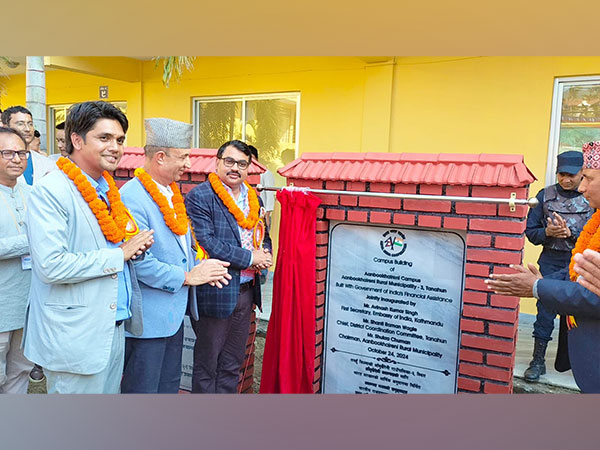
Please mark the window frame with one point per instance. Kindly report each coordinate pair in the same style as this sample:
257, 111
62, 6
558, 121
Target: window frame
243, 98
555, 119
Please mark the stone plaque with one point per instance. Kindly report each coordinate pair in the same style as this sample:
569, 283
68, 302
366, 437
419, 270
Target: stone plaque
393, 307
187, 358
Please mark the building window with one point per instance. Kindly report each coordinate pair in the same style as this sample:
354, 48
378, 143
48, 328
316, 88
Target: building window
58, 114
267, 121
575, 118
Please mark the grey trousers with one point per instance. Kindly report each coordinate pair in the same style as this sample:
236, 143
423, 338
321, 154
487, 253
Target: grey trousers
14, 367
108, 381
220, 348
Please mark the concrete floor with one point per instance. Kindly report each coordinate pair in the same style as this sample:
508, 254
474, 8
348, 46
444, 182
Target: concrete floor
525, 350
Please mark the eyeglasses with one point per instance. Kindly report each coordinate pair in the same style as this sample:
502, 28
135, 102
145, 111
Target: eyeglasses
229, 162
10, 154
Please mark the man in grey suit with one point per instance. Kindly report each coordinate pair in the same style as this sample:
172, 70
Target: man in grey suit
84, 290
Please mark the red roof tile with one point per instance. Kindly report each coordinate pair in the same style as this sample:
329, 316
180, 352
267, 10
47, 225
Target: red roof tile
412, 168
203, 160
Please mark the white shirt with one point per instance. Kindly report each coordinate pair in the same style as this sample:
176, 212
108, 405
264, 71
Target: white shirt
168, 193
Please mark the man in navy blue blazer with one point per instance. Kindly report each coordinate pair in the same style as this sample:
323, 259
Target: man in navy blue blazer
558, 293
153, 359
223, 212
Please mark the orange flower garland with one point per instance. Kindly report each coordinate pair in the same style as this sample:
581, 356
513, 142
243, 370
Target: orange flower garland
243, 221
113, 224
589, 238
176, 217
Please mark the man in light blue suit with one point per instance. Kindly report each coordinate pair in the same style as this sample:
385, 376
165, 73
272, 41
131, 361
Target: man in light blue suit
153, 359
84, 291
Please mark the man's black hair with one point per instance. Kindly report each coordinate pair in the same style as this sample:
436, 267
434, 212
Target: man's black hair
253, 150
36, 134
7, 130
60, 126
82, 117
241, 146
8, 112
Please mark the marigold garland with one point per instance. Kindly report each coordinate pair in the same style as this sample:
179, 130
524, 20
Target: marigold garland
176, 217
589, 238
113, 224
243, 221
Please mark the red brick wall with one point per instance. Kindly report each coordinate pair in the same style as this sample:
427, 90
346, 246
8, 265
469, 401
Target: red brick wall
188, 180
495, 239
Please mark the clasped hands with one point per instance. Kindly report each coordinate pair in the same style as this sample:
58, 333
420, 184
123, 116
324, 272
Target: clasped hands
138, 244
261, 259
211, 271
557, 227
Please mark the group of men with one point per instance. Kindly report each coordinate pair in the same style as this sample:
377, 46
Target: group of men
98, 279
95, 281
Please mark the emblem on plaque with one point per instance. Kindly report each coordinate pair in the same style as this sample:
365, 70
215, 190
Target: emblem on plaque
393, 243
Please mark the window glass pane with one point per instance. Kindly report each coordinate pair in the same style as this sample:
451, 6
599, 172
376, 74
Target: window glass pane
219, 122
60, 115
580, 116
271, 128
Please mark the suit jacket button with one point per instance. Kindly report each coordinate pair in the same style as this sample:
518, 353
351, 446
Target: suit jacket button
113, 306
184, 260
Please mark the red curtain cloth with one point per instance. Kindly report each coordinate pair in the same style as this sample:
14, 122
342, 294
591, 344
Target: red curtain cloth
288, 361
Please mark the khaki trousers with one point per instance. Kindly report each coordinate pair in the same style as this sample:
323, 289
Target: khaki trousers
14, 367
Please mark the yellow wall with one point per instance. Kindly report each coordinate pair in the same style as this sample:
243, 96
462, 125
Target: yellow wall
331, 93
397, 104
481, 105
63, 87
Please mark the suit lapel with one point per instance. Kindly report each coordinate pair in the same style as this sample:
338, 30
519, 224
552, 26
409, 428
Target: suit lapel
178, 239
89, 216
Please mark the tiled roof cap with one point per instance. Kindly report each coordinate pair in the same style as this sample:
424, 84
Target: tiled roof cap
203, 161
412, 168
